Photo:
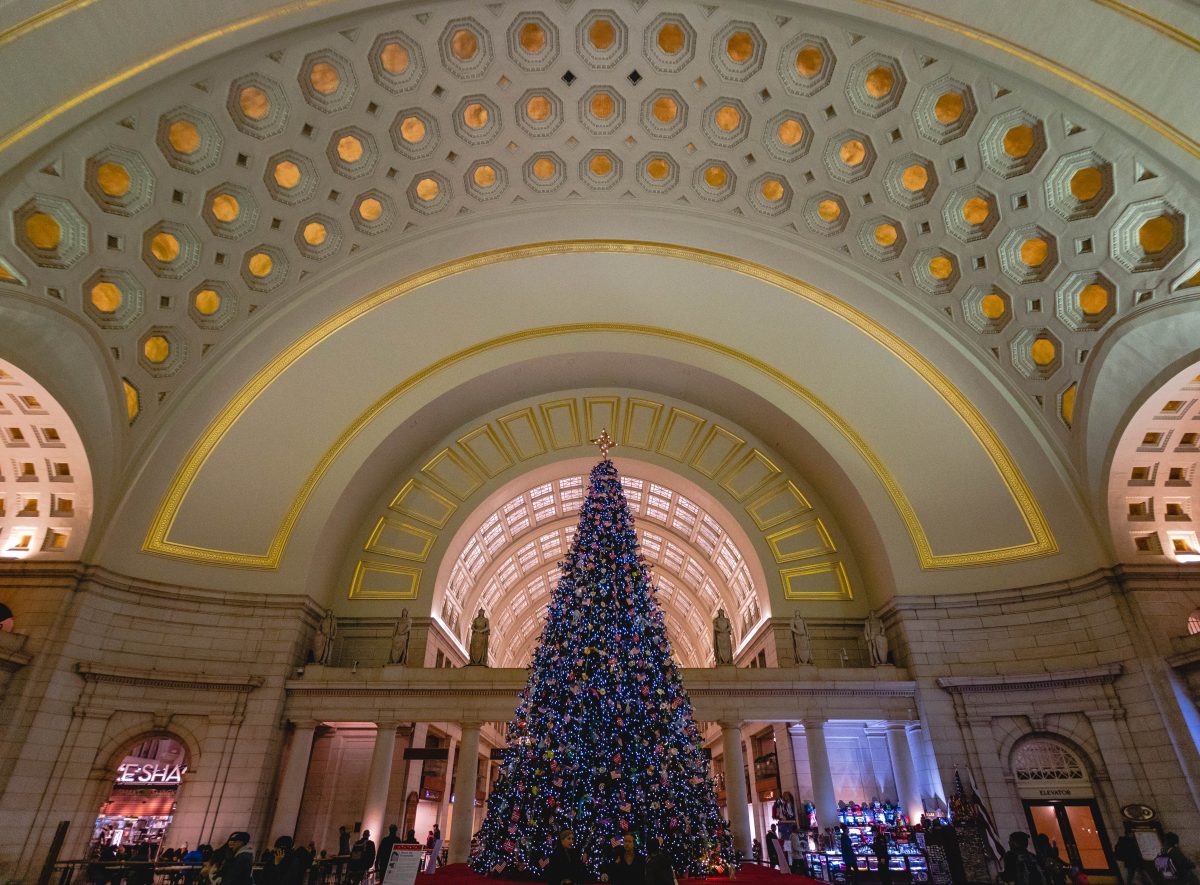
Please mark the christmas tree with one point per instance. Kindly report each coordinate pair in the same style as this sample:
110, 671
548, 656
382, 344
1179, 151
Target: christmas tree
603, 740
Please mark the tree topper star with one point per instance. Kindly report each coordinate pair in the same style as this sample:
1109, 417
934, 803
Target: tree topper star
604, 442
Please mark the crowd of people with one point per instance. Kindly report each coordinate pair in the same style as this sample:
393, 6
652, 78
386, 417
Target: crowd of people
359, 862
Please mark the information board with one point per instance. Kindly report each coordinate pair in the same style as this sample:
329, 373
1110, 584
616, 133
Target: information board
403, 865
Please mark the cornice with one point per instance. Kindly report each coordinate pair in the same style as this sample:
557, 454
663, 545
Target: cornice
93, 672
1033, 681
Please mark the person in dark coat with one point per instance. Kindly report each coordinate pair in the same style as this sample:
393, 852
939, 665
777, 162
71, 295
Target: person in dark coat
566, 865
628, 867
658, 866
385, 852
284, 866
411, 838
362, 857
879, 847
237, 867
1129, 853
849, 858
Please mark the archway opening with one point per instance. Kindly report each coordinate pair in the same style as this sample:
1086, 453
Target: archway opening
1055, 786
1151, 483
505, 557
45, 477
132, 822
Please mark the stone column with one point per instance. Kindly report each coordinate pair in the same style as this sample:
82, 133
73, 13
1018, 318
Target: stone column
412, 780
735, 785
461, 827
291, 788
444, 806
824, 797
789, 783
907, 786
379, 778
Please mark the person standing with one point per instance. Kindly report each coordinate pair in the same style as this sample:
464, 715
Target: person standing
879, 847
343, 841
846, 847
237, 867
384, 857
362, 857
1180, 863
628, 867
1021, 867
411, 838
796, 844
1129, 853
566, 866
658, 866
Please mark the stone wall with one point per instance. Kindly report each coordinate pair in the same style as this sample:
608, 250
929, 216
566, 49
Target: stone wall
115, 661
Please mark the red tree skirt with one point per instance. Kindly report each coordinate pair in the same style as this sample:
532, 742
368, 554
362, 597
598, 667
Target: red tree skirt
749, 874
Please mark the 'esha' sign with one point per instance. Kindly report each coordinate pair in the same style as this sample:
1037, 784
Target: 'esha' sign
149, 773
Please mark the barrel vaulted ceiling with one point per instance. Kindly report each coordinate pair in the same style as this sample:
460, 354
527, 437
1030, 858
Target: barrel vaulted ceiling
191, 211
184, 220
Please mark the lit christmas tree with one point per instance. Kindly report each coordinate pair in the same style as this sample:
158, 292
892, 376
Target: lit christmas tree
603, 740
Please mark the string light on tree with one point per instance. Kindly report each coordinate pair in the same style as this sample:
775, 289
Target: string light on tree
603, 740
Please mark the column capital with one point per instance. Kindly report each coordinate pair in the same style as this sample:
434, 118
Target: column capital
391, 725
463, 726
727, 724
812, 724
305, 723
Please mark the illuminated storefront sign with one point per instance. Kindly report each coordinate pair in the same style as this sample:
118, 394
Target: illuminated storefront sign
149, 773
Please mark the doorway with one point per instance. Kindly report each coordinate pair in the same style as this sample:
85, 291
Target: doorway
1074, 825
1056, 791
133, 820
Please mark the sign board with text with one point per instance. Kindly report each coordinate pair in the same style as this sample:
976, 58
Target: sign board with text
403, 865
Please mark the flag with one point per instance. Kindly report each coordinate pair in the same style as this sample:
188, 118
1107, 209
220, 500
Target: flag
991, 835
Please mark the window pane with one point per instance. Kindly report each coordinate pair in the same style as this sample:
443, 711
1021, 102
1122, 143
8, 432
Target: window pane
1087, 837
1045, 821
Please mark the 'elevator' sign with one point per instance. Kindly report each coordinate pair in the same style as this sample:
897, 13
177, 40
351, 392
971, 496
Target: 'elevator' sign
149, 773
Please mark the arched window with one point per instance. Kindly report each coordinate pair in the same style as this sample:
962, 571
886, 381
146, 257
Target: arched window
1040, 759
1194, 623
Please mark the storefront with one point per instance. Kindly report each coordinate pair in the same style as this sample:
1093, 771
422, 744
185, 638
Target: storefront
1059, 800
133, 821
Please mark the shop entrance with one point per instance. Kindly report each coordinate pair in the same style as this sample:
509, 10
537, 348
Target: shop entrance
1056, 791
133, 821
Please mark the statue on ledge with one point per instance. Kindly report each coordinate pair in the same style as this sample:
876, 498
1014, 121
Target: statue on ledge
480, 630
403, 632
722, 639
322, 646
877, 641
801, 641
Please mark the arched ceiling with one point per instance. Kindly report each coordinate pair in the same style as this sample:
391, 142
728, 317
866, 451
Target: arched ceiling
1151, 485
45, 475
509, 565
197, 208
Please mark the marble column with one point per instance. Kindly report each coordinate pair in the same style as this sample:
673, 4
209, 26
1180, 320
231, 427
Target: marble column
444, 805
907, 786
824, 797
295, 773
735, 786
466, 782
379, 778
412, 780
786, 760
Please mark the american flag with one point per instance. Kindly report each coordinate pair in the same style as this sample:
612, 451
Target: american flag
975, 802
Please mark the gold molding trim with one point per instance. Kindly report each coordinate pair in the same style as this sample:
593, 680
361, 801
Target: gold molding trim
1132, 108
1120, 102
45, 17
1155, 24
1042, 542
789, 577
